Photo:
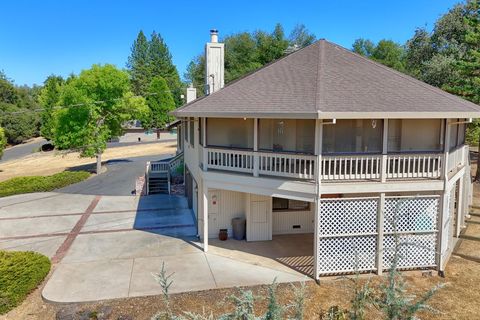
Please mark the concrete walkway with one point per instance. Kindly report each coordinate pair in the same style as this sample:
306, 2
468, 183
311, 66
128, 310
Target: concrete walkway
106, 247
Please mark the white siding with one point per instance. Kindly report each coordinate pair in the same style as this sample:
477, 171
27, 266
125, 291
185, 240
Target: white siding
230, 205
283, 222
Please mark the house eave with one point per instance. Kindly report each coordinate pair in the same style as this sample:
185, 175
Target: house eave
333, 115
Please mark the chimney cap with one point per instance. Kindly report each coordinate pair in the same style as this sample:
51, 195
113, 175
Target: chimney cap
213, 31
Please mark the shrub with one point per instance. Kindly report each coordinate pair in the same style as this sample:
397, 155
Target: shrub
3, 142
20, 185
20, 127
20, 273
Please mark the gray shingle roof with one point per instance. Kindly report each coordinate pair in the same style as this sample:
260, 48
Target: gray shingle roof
325, 80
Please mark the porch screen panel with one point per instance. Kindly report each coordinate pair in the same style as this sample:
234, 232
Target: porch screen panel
414, 135
347, 235
353, 136
230, 133
287, 135
414, 220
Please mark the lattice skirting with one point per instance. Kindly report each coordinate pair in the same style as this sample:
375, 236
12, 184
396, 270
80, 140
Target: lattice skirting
348, 233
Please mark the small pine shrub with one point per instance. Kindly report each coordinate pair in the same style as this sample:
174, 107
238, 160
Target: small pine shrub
20, 273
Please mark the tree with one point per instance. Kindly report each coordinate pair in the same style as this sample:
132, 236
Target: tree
418, 50
161, 65
468, 84
97, 103
8, 93
241, 56
138, 65
301, 37
363, 47
49, 98
3, 142
270, 46
19, 127
160, 102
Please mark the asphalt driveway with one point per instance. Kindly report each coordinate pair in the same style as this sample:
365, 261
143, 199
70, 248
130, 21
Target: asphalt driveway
105, 247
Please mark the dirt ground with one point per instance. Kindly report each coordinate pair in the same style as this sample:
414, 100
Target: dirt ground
459, 299
46, 163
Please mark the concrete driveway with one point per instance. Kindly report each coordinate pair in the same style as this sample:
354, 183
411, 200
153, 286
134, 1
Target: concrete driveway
106, 247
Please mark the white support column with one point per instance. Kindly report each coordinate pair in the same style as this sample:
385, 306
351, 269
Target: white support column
205, 216
446, 150
442, 235
384, 151
380, 223
460, 207
444, 207
317, 203
316, 275
204, 143
256, 162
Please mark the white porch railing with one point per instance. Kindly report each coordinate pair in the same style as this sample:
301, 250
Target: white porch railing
287, 165
354, 167
231, 160
333, 168
457, 157
405, 166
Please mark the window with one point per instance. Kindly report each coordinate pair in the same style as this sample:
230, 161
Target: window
191, 131
414, 135
281, 204
289, 135
353, 136
230, 133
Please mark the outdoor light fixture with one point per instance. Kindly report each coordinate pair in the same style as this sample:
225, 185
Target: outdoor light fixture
374, 123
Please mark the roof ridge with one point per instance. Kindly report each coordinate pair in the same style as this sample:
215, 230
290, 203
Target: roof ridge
406, 76
320, 69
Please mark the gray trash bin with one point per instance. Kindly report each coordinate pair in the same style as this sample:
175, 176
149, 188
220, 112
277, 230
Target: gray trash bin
238, 226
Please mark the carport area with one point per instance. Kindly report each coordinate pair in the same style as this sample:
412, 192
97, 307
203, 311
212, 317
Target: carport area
105, 247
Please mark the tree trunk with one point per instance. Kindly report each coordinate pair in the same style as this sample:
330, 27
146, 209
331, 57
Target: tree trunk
99, 163
477, 173
158, 133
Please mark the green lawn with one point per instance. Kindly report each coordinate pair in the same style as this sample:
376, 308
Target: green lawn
20, 273
30, 184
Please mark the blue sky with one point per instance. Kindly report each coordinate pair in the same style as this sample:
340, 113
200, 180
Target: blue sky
38, 38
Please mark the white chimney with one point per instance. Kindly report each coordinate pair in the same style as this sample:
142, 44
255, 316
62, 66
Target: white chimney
214, 64
191, 93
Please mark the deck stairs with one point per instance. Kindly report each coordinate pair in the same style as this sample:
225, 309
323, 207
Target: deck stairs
158, 174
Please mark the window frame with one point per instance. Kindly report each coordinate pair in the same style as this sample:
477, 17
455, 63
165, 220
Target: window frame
288, 209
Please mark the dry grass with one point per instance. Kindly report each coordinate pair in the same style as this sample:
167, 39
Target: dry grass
41, 163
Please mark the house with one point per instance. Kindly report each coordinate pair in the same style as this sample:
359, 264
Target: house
327, 142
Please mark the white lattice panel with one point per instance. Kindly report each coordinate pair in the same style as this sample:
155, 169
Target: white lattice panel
347, 235
411, 214
348, 216
415, 251
346, 254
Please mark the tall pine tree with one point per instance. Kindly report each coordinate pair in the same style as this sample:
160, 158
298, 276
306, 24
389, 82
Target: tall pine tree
468, 84
138, 65
161, 65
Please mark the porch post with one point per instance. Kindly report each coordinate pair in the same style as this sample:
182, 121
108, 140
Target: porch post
442, 241
317, 209
255, 148
316, 275
384, 151
205, 216
204, 143
460, 206
380, 223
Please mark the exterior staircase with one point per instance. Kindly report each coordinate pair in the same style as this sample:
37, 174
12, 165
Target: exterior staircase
158, 174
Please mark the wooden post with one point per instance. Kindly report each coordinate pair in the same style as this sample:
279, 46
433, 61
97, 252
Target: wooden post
380, 224
256, 163
316, 275
204, 143
444, 207
384, 151
317, 209
205, 216
460, 206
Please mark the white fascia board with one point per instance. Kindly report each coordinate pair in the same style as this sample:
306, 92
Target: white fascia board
333, 115
378, 187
